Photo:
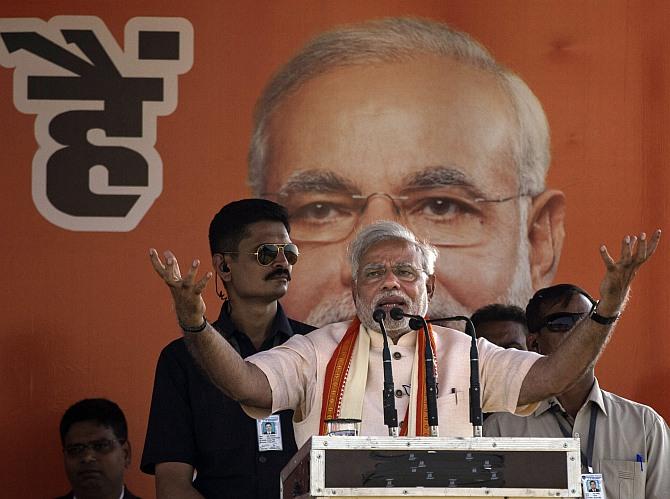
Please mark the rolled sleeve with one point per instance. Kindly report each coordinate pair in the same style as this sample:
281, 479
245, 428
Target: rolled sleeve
288, 368
502, 373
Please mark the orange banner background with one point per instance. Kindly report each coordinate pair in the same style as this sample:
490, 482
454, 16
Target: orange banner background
83, 313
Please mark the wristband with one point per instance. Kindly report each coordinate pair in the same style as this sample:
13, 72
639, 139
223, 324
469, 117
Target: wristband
197, 329
601, 319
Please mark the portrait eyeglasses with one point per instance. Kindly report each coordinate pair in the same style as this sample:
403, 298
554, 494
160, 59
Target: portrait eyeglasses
446, 215
562, 322
102, 446
268, 252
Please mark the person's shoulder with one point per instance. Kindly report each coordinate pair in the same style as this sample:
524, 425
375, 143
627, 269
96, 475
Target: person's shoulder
176, 348
620, 404
300, 327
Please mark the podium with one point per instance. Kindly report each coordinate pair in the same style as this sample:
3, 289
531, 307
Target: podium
388, 467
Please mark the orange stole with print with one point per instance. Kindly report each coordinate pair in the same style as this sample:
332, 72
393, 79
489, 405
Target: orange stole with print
338, 369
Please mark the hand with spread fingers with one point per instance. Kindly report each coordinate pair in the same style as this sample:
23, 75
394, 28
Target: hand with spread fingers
619, 275
186, 291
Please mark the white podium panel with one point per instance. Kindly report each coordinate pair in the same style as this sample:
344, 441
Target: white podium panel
387, 467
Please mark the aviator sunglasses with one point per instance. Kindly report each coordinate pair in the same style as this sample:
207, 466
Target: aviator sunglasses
562, 322
268, 252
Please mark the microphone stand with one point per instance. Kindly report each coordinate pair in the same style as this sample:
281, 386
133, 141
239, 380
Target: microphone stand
417, 322
475, 389
390, 412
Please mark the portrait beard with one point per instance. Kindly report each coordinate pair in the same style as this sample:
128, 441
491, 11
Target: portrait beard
341, 308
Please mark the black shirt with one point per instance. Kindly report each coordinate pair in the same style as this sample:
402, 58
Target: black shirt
191, 421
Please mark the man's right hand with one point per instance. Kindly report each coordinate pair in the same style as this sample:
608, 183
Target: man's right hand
186, 291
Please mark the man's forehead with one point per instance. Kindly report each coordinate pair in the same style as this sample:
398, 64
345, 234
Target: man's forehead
392, 251
84, 431
267, 231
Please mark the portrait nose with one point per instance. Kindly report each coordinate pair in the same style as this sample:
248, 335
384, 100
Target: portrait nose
380, 206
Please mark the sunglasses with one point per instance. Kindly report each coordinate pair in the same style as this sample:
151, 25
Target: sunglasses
562, 322
268, 252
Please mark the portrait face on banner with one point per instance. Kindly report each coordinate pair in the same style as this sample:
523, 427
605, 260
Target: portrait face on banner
426, 142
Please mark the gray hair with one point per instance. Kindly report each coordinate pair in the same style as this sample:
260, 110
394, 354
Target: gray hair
394, 40
386, 230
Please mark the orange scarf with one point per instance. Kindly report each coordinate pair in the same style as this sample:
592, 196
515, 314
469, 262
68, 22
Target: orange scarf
338, 370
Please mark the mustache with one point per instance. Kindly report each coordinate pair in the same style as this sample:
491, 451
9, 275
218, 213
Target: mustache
278, 273
390, 294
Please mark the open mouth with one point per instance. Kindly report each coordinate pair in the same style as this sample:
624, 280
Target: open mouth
389, 302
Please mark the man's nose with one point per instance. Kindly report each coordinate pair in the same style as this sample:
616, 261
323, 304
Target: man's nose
89, 456
280, 260
390, 281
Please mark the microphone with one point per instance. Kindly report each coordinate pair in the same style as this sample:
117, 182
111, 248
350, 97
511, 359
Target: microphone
388, 398
475, 389
417, 322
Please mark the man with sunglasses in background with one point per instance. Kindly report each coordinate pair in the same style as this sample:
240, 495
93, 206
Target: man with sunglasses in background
96, 451
627, 442
192, 425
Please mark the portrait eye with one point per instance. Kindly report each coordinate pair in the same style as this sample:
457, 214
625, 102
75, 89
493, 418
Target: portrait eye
444, 208
320, 212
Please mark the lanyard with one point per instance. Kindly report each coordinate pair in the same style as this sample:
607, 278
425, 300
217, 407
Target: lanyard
587, 459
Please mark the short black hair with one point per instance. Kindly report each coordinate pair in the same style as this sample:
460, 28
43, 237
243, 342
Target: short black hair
229, 225
102, 411
498, 312
545, 297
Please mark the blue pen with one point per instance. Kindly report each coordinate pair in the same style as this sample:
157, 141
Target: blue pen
639, 459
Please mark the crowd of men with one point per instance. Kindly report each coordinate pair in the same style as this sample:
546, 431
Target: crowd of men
374, 139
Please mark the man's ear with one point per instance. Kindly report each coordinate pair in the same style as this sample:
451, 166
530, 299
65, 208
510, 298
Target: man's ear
220, 266
545, 234
430, 286
127, 451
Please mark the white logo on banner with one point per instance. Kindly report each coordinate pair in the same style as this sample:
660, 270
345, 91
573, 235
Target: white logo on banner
96, 168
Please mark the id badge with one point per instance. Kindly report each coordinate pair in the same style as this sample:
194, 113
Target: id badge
592, 486
269, 433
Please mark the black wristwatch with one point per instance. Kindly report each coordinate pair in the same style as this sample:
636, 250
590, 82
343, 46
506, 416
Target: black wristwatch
601, 319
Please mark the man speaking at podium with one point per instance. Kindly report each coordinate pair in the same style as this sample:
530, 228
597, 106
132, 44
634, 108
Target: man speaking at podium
335, 371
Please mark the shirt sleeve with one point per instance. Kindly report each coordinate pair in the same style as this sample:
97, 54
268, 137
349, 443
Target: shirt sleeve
170, 428
502, 372
658, 456
289, 368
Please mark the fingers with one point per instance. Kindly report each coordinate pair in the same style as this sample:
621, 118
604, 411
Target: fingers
653, 244
604, 254
189, 278
200, 285
156, 262
627, 248
171, 266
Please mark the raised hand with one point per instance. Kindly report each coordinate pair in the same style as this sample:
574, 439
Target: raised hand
619, 275
186, 291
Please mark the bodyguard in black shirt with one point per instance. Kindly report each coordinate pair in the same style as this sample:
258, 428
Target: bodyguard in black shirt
192, 425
